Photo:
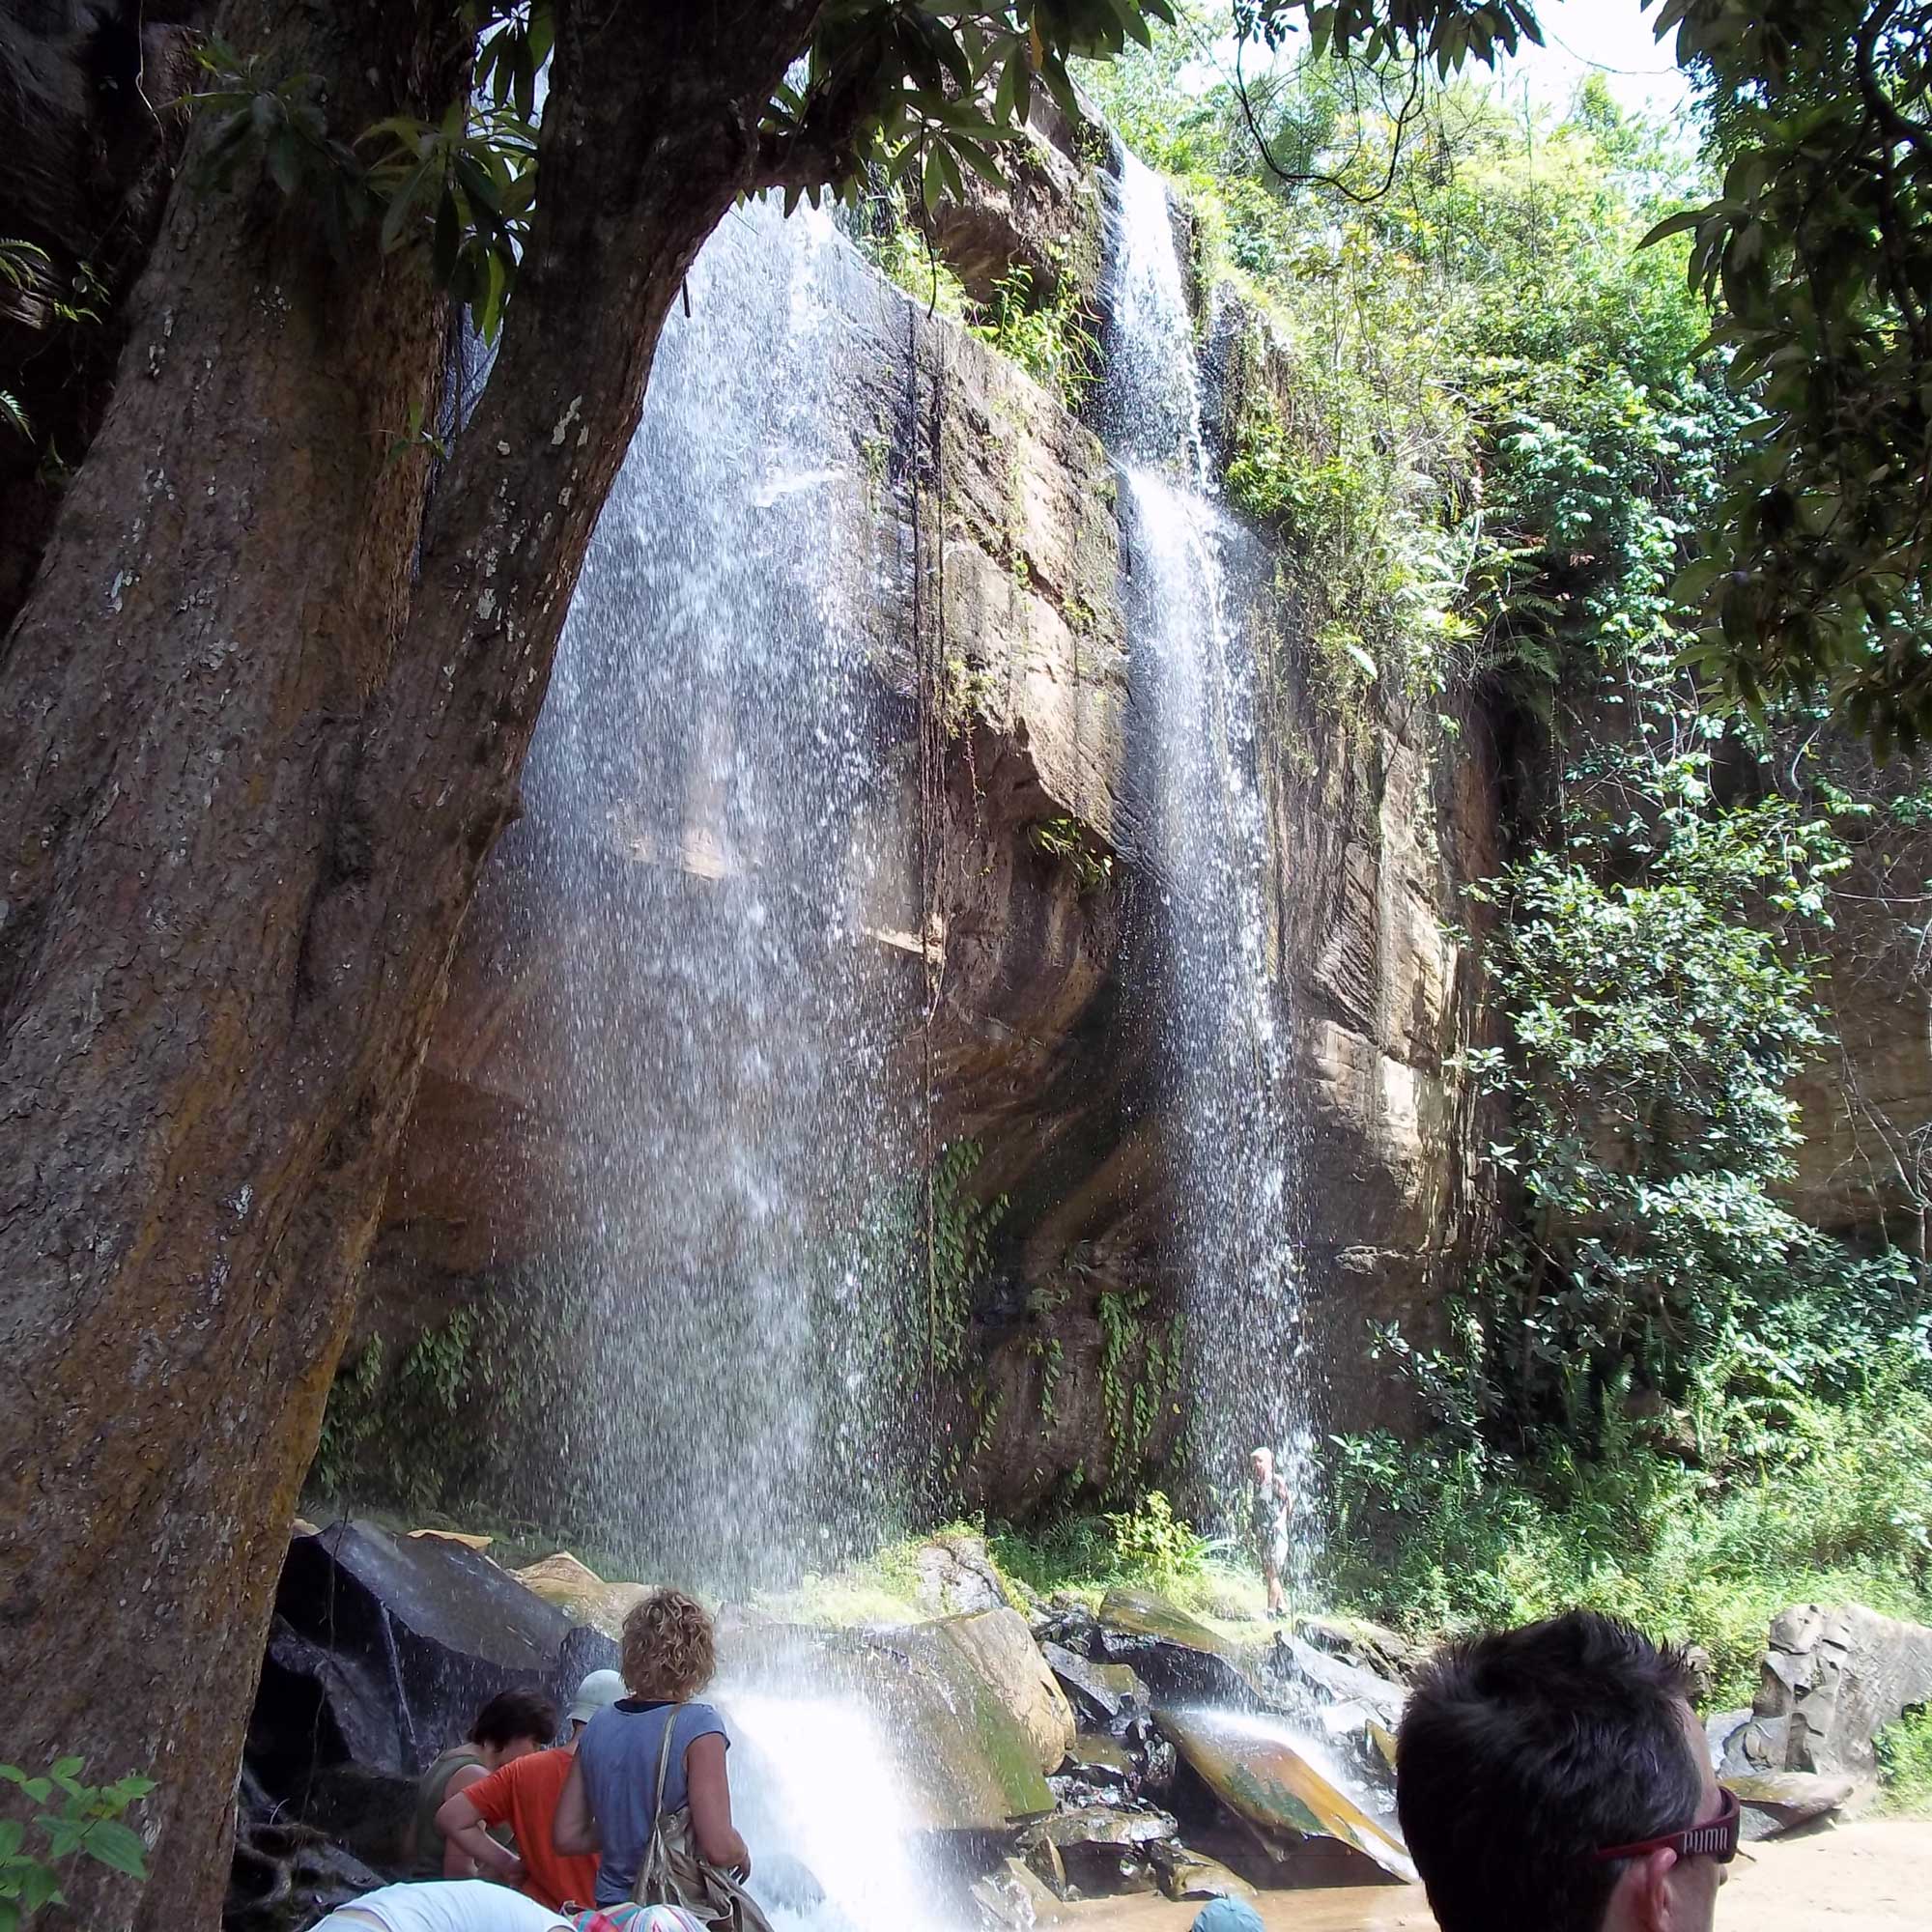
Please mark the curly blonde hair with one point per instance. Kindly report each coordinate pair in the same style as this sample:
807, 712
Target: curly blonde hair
667, 1650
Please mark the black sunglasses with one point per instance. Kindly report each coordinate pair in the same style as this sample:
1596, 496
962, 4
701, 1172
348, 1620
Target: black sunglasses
1715, 1838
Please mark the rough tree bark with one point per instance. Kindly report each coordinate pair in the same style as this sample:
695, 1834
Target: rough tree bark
259, 720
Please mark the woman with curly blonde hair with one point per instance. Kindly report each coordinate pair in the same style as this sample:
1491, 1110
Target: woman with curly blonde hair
657, 1736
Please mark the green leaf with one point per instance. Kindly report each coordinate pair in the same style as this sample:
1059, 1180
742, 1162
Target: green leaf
117, 1846
40, 1886
1675, 224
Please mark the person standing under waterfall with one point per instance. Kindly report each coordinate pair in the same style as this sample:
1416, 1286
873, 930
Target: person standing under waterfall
652, 1766
1269, 1505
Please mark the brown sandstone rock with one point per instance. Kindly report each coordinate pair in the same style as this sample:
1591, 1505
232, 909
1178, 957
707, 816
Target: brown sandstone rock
580, 1593
998, 1645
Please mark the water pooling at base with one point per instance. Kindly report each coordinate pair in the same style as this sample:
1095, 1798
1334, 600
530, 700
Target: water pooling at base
1221, 995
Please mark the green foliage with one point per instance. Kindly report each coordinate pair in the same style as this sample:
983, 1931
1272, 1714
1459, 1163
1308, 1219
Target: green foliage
1153, 1546
1052, 340
34, 294
85, 1823
1818, 565
1836, 1507
422, 1437
1140, 1376
1443, 34
1905, 1763
1065, 840
903, 255
463, 186
1148, 1546
957, 1242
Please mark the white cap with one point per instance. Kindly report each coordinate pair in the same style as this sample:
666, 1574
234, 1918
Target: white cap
599, 1688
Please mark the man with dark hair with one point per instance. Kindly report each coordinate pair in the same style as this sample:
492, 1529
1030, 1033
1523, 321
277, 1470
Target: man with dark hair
1555, 1778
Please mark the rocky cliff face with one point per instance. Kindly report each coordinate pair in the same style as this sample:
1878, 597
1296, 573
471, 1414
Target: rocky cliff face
983, 517
987, 528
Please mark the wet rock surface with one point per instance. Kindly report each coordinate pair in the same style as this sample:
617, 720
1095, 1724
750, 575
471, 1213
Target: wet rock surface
1183, 1874
1177, 1657
1782, 1801
1267, 1779
965, 1760
998, 1645
1103, 1694
1097, 1850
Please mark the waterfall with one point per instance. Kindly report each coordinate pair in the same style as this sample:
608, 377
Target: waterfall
710, 818
1219, 989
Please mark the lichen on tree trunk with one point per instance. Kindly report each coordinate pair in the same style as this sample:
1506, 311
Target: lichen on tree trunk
260, 718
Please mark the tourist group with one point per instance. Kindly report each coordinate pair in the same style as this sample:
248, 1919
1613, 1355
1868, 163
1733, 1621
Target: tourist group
1552, 1778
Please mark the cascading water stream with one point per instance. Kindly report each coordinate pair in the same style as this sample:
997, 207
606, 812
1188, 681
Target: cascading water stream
1221, 996
710, 818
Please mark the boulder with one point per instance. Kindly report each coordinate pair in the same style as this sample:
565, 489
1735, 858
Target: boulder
1781, 1800
956, 1574
1831, 1680
583, 1595
1316, 1682
1270, 1781
998, 1645
1095, 1758
479, 1544
964, 1760
1177, 1655
1097, 1849
1183, 1874
1721, 1733
1011, 1899
1102, 1694
284, 1877
371, 1813
404, 1638
1368, 1646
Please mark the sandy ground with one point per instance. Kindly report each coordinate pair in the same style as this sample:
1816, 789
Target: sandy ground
1873, 1876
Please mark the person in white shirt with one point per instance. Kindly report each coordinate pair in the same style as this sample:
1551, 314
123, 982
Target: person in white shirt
478, 1905
445, 1905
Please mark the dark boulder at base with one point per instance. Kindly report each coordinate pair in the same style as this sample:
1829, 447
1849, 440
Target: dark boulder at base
1103, 1694
381, 1648
282, 1876
1179, 1657
1097, 1850
394, 1642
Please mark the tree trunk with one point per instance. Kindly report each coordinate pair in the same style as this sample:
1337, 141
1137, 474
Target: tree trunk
259, 719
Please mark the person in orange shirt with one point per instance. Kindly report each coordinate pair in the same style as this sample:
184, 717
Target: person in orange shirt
527, 1803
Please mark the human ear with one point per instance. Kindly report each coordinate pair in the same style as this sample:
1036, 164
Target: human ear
1652, 1896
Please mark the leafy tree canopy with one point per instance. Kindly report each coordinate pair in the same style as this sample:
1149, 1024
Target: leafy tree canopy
1813, 573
